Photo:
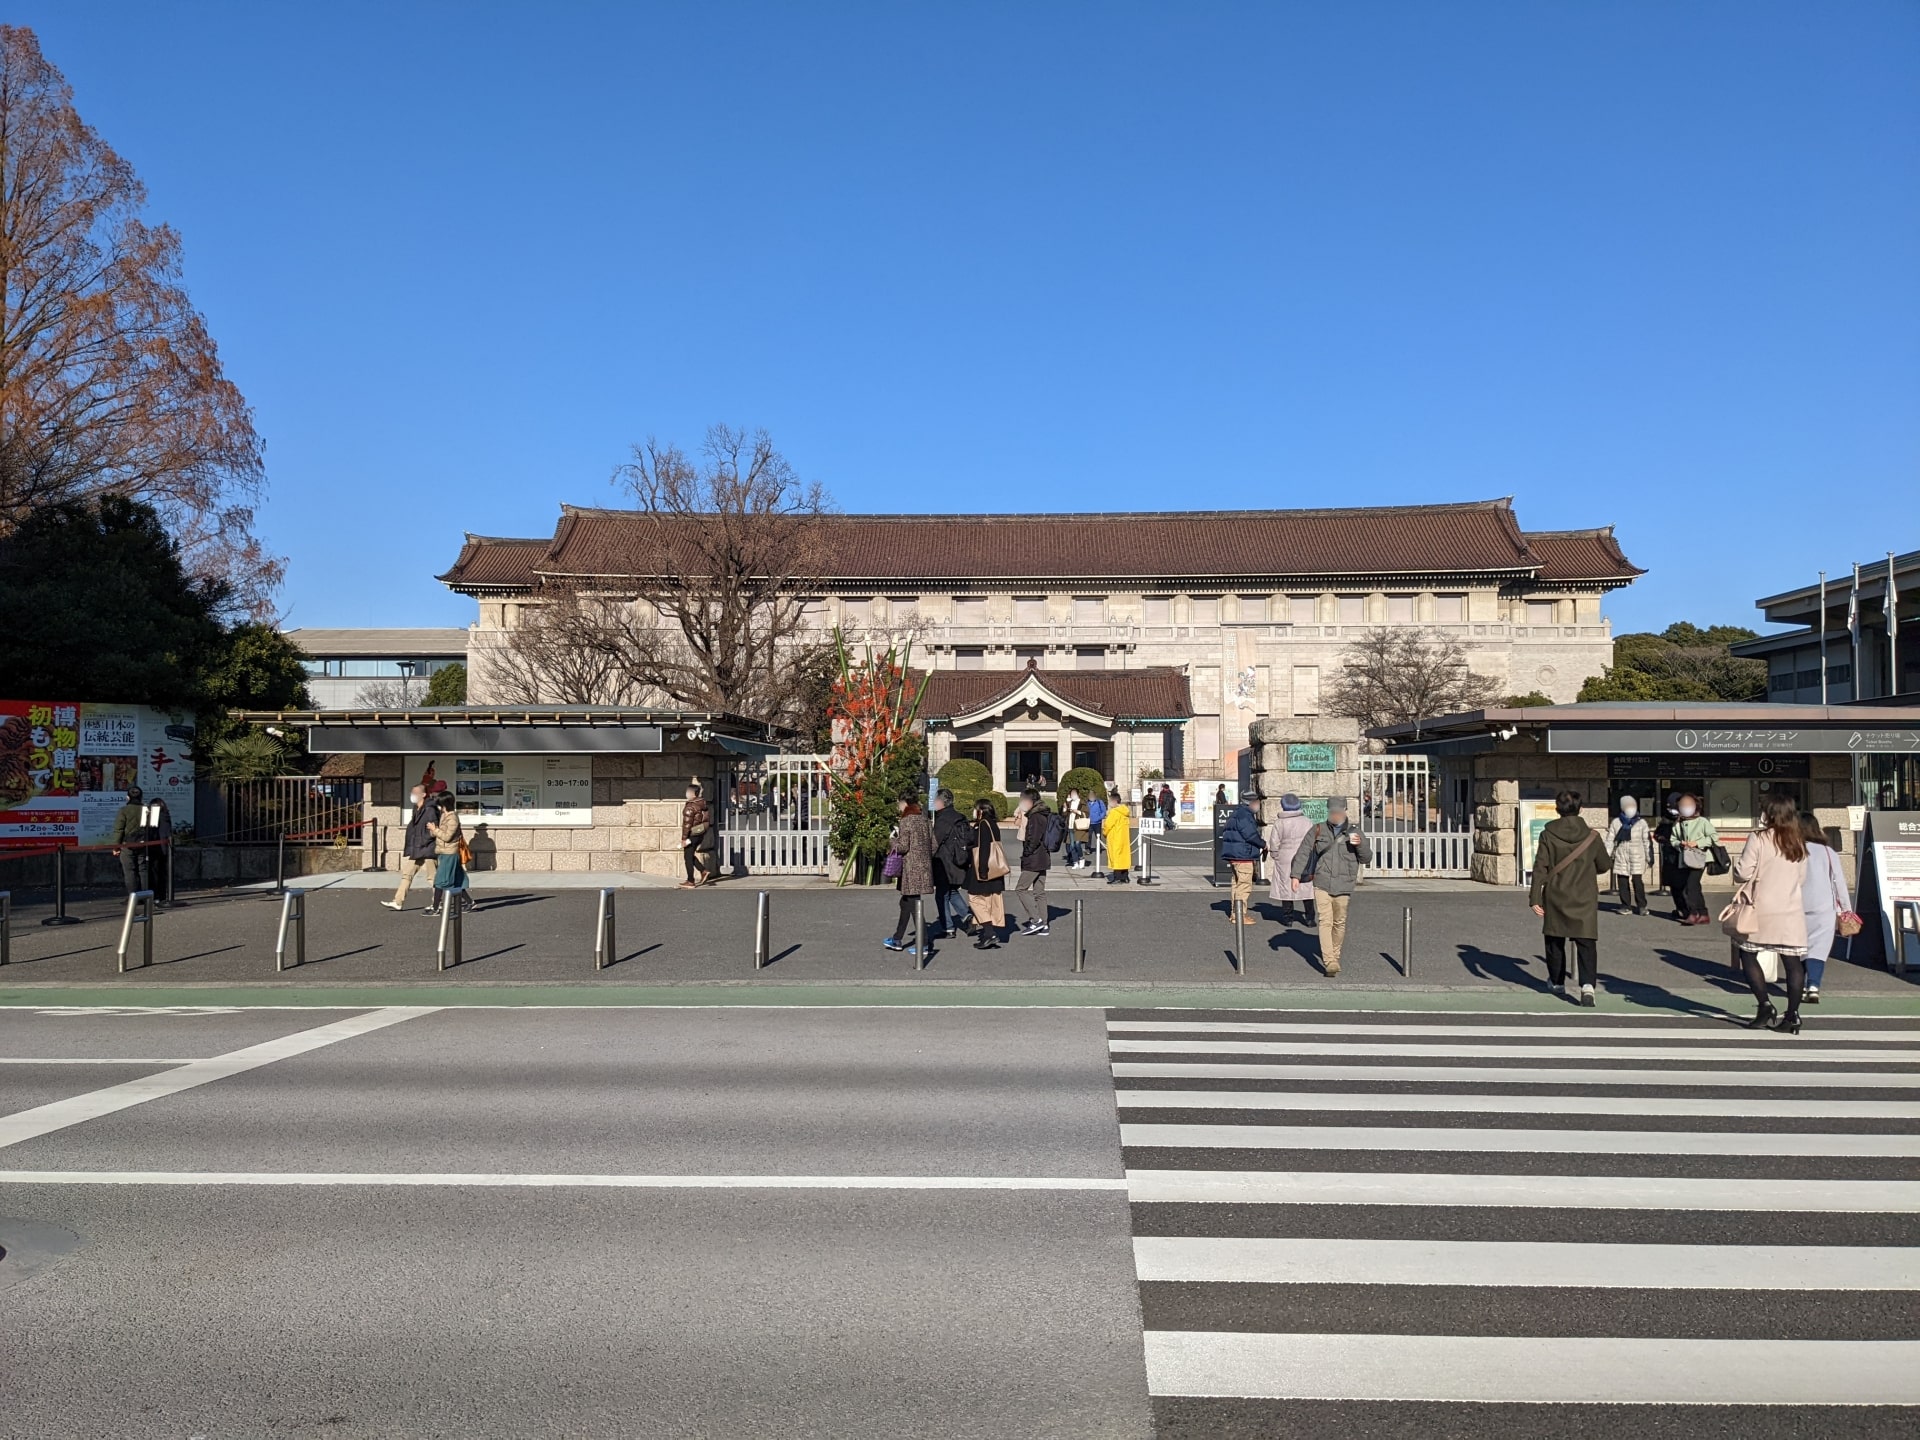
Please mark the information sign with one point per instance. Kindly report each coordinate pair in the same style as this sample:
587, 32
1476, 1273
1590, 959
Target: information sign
1310, 757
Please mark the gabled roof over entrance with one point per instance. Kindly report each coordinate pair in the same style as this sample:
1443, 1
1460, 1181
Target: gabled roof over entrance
1110, 697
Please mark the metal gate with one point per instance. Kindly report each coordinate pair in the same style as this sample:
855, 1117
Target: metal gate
775, 816
1405, 824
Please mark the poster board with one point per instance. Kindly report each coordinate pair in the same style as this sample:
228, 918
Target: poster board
1194, 798
511, 789
1889, 872
1535, 815
65, 766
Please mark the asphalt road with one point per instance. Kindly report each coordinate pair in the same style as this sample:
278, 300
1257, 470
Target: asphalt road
1481, 939
733, 1221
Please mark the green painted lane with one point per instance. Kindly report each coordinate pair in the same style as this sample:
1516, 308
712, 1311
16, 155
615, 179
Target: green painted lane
907, 993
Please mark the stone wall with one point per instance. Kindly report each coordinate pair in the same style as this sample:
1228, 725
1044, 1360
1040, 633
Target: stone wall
635, 827
1269, 777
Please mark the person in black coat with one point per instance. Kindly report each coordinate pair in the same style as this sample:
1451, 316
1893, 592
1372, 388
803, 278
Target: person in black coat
986, 893
416, 852
950, 835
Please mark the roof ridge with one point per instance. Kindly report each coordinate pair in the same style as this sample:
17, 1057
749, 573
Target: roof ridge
1504, 502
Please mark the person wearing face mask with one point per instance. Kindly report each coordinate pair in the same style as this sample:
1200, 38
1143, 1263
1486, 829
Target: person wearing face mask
1670, 879
1695, 837
1630, 842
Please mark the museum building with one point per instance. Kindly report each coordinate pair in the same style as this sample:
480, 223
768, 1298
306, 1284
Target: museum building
1217, 618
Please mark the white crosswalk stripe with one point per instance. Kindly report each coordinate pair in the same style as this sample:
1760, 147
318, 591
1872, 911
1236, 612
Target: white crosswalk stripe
1417, 1212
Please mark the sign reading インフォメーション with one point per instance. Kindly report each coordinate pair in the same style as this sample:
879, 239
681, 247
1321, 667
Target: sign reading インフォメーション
65, 766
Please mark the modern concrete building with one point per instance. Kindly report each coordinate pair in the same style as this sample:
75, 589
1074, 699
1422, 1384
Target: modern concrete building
343, 664
1252, 608
1822, 660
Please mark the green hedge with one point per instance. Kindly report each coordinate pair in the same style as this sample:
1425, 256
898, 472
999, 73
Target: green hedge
1088, 782
968, 779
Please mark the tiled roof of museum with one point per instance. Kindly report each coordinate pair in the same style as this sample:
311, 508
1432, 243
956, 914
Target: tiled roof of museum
1158, 692
1477, 537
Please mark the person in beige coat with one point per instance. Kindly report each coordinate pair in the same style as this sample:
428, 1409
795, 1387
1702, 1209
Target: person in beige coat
1771, 870
1284, 835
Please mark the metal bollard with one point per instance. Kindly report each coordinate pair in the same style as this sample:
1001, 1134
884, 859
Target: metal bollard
762, 931
60, 916
450, 927
1406, 942
605, 947
1240, 938
6, 927
1146, 859
293, 913
920, 933
169, 848
143, 900
1079, 936
280, 865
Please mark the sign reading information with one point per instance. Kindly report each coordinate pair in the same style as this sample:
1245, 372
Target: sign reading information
1310, 757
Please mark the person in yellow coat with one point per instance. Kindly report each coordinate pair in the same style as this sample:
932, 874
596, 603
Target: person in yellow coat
1117, 827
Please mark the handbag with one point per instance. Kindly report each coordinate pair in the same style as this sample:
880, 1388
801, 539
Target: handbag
1769, 963
463, 850
996, 863
1739, 919
895, 864
1718, 862
1848, 924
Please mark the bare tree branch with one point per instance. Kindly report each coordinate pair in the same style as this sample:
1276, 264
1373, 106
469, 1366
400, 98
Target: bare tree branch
1394, 675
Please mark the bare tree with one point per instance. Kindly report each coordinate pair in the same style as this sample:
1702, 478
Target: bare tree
1395, 675
713, 611
402, 693
109, 382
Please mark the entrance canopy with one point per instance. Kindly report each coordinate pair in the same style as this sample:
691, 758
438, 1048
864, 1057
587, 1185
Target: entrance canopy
1645, 728
552, 730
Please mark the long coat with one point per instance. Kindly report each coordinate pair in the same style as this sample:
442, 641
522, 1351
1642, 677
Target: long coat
1570, 897
1822, 898
1284, 835
1632, 846
980, 842
1776, 884
1117, 828
913, 840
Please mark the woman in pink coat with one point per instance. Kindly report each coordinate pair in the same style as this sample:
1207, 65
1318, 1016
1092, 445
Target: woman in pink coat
1284, 835
1772, 868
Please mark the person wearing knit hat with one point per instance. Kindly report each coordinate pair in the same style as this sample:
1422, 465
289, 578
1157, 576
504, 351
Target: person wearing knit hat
1331, 857
1284, 834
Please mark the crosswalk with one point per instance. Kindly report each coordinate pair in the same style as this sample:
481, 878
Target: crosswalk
1405, 1224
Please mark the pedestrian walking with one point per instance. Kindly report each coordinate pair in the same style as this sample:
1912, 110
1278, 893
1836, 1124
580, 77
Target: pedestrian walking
1240, 846
1074, 810
1696, 839
1097, 819
696, 821
1039, 829
1331, 857
1630, 842
950, 833
986, 877
1768, 917
1670, 869
451, 858
416, 852
1166, 806
138, 828
913, 844
1825, 901
1284, 837
1570, 856
1116, 829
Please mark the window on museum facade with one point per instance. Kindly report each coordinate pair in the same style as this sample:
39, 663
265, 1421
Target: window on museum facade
1024, 653
1157, 610
1540, 612
857, 611
1089, 609
970, 659
969, 609
1353, 609
1206, 737
1400, 609
1030, 609
1253, 609
1303, 609
1449, 609
1306, 689
903, 608
1089, 657
1206, 610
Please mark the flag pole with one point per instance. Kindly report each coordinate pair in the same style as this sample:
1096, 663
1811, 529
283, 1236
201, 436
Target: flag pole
1853, 631
1893, 631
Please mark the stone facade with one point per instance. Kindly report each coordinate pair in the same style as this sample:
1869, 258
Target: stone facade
1269, 776
635, 827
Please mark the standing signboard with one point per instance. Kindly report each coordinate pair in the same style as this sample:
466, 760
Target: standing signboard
1889, 873
65, 766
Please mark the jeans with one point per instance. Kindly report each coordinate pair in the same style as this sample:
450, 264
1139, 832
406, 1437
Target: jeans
950, 904
1333, 928
1586, 951
1816, 972
1031, 892
1632, 890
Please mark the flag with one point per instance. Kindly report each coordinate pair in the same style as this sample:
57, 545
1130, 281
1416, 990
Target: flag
1853, 607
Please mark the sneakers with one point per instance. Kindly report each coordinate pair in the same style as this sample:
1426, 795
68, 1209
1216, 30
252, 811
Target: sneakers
393, 905
892, 944
1331, 968
1812, 997
1564, 991
1586, 996
1035, 927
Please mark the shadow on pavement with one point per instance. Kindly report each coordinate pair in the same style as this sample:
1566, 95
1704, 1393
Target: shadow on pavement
1507, 969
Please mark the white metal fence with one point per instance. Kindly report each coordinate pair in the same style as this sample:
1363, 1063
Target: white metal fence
775, 816
1400, 810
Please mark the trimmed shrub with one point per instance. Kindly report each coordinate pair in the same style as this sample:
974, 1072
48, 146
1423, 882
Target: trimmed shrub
968, 779
1088, 782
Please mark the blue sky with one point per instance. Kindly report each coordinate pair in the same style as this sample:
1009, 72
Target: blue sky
1651, 264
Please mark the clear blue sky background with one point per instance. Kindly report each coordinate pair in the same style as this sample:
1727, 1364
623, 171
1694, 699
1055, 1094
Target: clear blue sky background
1654, 264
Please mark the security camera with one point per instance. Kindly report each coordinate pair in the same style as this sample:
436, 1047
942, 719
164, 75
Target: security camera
276, 732
1508, 732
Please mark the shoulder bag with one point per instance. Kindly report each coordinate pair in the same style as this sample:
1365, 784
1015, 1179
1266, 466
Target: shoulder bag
996, 862
1575, 853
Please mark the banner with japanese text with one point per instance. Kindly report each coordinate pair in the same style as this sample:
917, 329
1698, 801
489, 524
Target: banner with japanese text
65, 766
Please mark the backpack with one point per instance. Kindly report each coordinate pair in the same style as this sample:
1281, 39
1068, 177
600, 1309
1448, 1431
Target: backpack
1056, 833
